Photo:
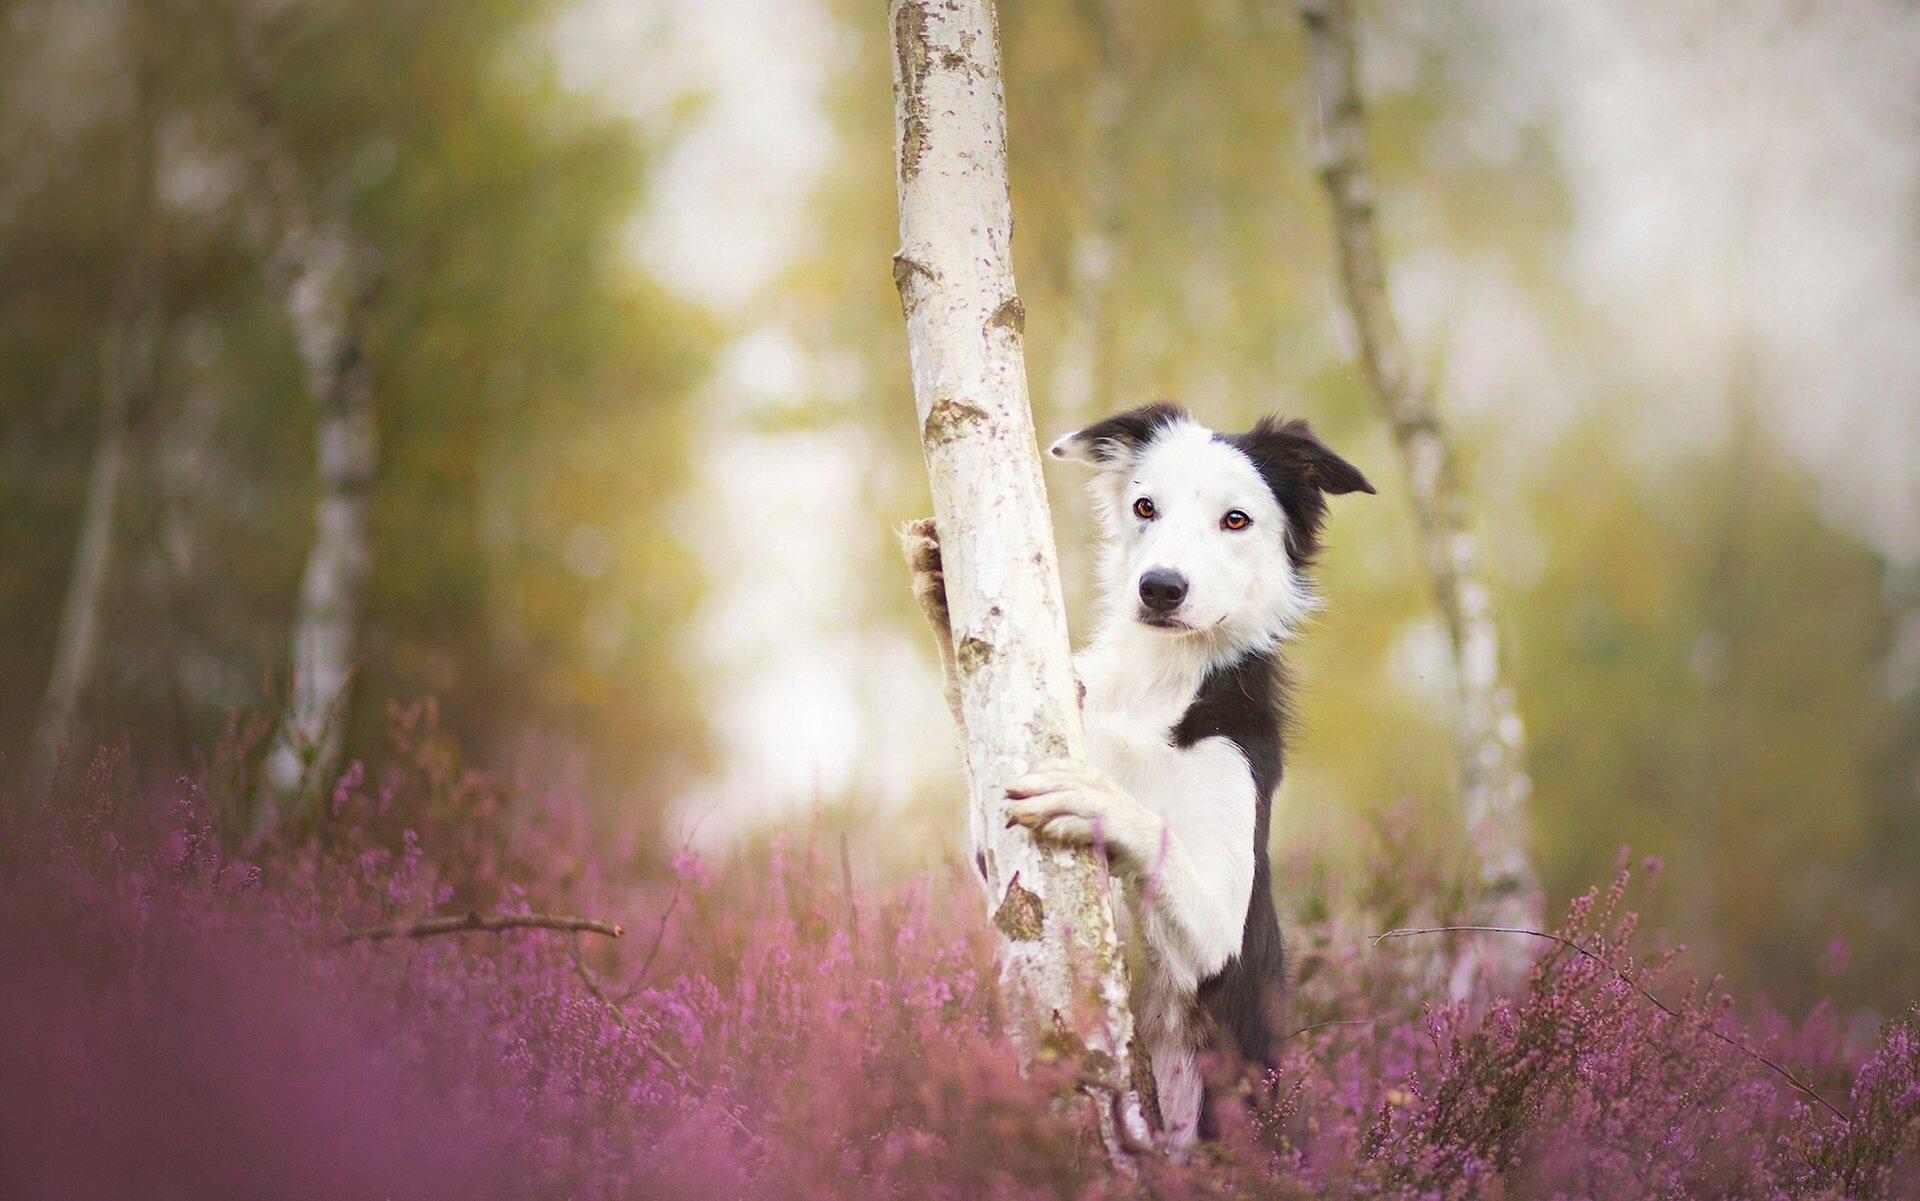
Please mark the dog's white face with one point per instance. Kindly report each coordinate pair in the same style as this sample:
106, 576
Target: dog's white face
1206, 534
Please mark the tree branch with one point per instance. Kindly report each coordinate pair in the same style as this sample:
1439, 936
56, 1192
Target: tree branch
1798, 1084
647, 1044
428, 927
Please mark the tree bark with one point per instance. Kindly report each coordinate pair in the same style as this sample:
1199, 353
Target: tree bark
1489, 738
129, 363
1063, 972
314, 266
327, 318
77, 644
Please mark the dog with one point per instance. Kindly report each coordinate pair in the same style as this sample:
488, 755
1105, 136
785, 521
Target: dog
1207, 539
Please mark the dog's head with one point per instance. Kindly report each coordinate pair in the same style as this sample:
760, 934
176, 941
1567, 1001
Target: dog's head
1209, 532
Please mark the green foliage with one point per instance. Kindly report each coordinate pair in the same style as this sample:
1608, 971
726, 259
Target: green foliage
530, 380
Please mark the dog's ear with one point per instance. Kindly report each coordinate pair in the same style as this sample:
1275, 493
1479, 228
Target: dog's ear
1292, 446
1115, 443
1301, 471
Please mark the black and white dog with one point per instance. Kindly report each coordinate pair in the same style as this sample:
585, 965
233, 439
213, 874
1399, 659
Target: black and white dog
1206, 541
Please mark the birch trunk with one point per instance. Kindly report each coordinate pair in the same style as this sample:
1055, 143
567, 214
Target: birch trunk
77, 644
1489, 738
313, 265
1063, 973
129, 362
325, 314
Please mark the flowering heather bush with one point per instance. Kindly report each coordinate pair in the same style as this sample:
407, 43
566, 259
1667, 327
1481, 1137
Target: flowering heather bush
180, 1020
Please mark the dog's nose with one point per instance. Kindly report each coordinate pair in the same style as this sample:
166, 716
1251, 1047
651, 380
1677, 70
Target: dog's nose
1162, 589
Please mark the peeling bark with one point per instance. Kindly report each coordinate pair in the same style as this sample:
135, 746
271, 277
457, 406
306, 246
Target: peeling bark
1490, 740
1063, 972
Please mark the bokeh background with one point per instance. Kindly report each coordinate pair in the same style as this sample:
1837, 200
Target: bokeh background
645, 425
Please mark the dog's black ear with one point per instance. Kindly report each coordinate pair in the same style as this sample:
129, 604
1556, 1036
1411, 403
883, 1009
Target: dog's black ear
1292, 447
1301, 471
1116, 442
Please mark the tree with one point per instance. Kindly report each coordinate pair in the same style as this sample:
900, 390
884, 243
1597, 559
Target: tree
1489, 738
318, 274
1062, 969
129, 362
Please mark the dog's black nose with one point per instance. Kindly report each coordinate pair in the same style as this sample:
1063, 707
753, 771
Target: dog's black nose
1162, 589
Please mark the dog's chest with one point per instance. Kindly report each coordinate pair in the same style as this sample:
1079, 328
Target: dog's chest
1130, 737
1138, 752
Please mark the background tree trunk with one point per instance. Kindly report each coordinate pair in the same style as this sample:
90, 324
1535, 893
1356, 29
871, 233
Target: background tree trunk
1490, 740
317, 273
1063, 972
129, 361
333, 587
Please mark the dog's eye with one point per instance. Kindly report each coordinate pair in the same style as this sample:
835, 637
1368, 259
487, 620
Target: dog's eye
1235, 520
1143, 509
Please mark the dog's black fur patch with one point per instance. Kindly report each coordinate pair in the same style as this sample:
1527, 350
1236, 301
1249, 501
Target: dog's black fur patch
1246, 704
1301, 471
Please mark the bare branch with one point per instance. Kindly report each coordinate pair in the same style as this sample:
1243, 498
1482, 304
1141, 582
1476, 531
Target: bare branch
1798, 1084
647, 1044
427, 927
1323, 1025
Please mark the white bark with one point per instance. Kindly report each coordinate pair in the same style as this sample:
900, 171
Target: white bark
129, 362
1490, 740
1063, 971
312, 264
77, 644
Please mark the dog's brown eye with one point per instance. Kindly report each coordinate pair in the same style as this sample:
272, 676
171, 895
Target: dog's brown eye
1143, 509
1235, 520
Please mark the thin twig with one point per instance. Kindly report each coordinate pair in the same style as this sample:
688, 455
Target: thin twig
641, 979
1323, 1025
427, 927
1630, 982
646, 1041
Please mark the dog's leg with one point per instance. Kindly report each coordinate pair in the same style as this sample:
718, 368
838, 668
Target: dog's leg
921, 541
1195, 919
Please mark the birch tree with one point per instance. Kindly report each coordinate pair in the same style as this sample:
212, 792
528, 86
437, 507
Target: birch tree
129, 361
1063, 972
319, 279
1489, 738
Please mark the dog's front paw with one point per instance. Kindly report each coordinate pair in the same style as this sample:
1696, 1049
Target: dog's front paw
1073, 804
920, 540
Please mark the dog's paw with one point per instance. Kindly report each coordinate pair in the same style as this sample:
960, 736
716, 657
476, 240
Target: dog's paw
920, 541
1073, 804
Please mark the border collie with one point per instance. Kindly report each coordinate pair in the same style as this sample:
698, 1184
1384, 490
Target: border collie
1206, 541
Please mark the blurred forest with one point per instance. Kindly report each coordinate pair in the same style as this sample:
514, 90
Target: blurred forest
629, 518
